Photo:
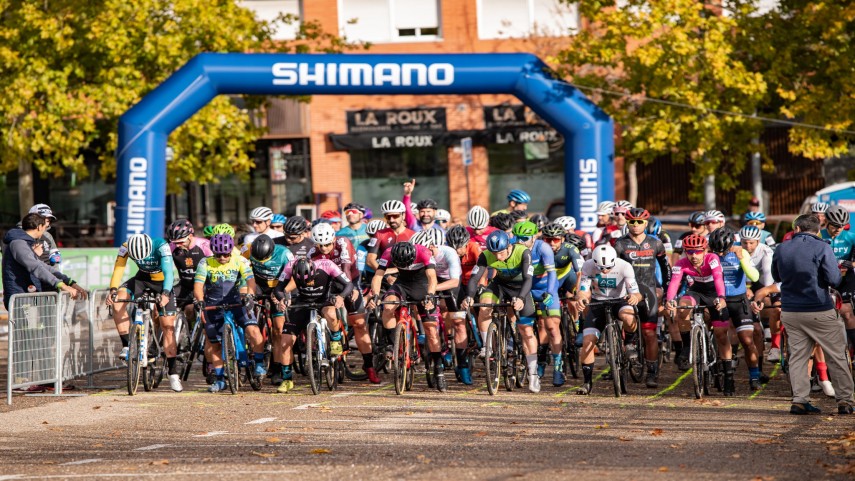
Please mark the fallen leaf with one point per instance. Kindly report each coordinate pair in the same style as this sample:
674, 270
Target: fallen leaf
676, 446
410, 413
423, 459
44, 422
320, 451
766, 441
429, 411
98, 445
663, 469
601, 426
96, 407
48, 462
656, 432
299, 439
272, 430
624, 438
264, 455
159, 462
736, 456
273, 440
481, 433
514, 422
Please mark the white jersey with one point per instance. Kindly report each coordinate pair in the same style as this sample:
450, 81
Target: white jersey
762, 260
618, 282
447, 263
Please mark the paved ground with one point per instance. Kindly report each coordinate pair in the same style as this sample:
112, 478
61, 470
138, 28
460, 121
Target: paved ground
365, 431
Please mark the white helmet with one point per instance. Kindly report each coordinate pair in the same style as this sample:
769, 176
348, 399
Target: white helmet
429, 237
714, 216
478, 217
393, 207
139, 246
374, 226
568, 222
605, 207
323, 234
442, 214
604, 256
261, 213
819, 208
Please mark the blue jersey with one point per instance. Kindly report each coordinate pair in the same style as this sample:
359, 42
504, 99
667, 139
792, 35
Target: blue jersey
543, 261
355, 236
842, 245
734, 276
267, 271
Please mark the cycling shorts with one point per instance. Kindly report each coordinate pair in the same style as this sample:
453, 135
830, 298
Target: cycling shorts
595, 319
718, 318
215, 320
494, 292
740, 313
137, 286
415, 292
266, 291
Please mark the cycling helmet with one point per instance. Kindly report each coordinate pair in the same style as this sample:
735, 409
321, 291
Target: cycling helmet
605, 208
755, 216
604, 256
654, 227
442, 214
539, 220
568, 222
518, 215
624, 204
262, 247
694, 242
525, 229
261, 213
393, 207
554, 230
519, 196
819, 208
355, 206
498, 240
721, 240
139, 246
837, 215
429, 237
713, 216
750, 232
427, 204
576, 240
637, 213
696, 217
208, 231
278, 219
222, 244
457, 236
478, 217
180, 229
224, 229
303, 271
619, 209
502, 221
323, 234
296, 225
374, 226
403, 254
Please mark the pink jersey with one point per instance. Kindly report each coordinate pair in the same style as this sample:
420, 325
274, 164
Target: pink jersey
481, 239
203, 244
708, 279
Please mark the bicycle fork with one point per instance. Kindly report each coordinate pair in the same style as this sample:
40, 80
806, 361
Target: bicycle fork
142, 333
319, 324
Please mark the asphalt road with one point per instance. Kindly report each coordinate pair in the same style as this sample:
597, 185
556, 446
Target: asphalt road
364, 431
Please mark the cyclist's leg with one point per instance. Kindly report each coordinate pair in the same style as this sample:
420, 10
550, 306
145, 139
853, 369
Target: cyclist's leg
120, 311
213, 347
685, 327
525, 326
742, 320
592, 325
330, 313
490, 295
393, 294
356, 319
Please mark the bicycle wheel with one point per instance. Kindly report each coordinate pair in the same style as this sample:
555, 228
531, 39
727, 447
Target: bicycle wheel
330, 368
414, 355
715, 371
508, 358
349, 369
570, 352
697, 354
300, 356
492, 359
182, 341
400, 359
159, 367
134, 369
637, 367
230, 359
664, 348
520, 367
255, 382
429, 371
612, 346
313, 358
153, 355
193, 350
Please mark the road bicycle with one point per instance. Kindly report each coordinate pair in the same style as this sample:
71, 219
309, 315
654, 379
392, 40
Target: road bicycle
703, 354
146, 357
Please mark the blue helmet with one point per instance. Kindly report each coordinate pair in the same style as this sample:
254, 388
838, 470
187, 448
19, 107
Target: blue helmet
755, 216
278, 219
654, 227
498, 240
519, 196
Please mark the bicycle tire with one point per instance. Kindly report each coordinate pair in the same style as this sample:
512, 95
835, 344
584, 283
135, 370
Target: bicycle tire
492, 358
313, 359
699, 379
508, 362
520, 366
612, 345
301, 355
637, 368
148, 372
230, 361
159, 366
134, 370
329, 370
182, 342
375, 330
195, 339
350, 372
785, 353
399, 359
714, 368
570, 352
255, 382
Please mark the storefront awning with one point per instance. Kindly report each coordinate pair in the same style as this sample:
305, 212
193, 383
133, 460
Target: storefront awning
401, 140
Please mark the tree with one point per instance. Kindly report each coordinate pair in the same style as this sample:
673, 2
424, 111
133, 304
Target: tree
69, 69
682, 53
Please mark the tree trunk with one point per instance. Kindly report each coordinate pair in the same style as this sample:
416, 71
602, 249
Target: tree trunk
25, 186
632, 180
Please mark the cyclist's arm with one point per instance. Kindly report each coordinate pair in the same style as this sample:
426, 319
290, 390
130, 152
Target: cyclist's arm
547, 258
751, 272
409, 218
430, 273
343, 285
199, 280
377, 281
718, 277
373, 249
119, 268
478, 272
527, 273
674, 284
664, 267
168, 267
248, 276
454, 270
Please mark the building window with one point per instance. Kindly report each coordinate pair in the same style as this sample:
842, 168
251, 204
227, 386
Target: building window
383, 21
526, 18
378, 174
270, 11
535, 167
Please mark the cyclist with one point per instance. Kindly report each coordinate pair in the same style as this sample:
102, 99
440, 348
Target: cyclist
761, 257
604, 219
443, 217
297, 236
268, 260
568, 262
645, 253
468, 251
261, 218
736, 267
513, 279
278, 223
155, 272
540, 221
393, 212
569, 224
604, 276
758, 219
208, 231
706, 287
517, 200
187, 251
416, 282
503, 222
478, 220
217, 284
654, 229
367, 272
696, 226
713, 219
614, 231
331, 217
354, 231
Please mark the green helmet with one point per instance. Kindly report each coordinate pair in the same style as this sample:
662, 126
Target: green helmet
208, 231
525, 229
224, 229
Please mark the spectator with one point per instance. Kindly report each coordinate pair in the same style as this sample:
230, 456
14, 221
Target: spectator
806, 268
754, 205
50, 253
22, 270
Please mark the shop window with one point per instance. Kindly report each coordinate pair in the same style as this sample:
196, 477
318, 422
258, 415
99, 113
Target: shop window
270, 11
524, 18
383, 21
537, 168
378, 174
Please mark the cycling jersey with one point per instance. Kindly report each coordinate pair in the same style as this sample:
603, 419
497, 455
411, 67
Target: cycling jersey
644, 256
568, 261
678, 244
328, 280
515, 272
707, 279
481, 238
342, 256
355, 236
545, 278
158, 266
186, 260
386, 238
766, 238
469, 260
302, 248
415, 272
589, 242
247, 240
618, 282
267, 271
762, 260
222, 280
735, 270
447, 263
842, 245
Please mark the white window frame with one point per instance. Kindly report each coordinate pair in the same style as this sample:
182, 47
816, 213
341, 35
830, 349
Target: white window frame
394, 36
296, 27
479, 8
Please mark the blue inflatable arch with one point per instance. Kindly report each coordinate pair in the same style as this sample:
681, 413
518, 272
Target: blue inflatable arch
144, 129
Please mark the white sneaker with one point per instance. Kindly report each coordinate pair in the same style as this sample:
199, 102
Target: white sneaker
827, 388
123, 354
175, 383
534, 383
774, 355
482, 353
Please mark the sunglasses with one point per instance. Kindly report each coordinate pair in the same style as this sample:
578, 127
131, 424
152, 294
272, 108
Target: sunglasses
696, 226
553, 240
713, 222
692, 252
442, 222
222, 256
835, 226
392, 216
621, 213
325, 245
256, 222
294, 238
352, 211
522, 238
636, 222
754, 223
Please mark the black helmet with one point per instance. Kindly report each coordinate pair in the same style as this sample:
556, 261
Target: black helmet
296, 225
697, 217
180, 229
576, 240
540, 220
457, 236
502, 221
403, 254
303, 272
518, 215
262, 247
721, 240
427, 204
553, 230
354, 205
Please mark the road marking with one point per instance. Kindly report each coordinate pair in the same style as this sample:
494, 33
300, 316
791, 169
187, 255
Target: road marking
152, 447
672, 386
343, 394
308, 406
212, 433
82, 461
140, 475
262, 421
771, 376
